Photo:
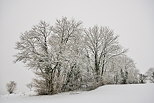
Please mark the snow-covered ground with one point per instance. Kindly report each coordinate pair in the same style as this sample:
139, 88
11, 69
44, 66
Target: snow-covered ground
134, 93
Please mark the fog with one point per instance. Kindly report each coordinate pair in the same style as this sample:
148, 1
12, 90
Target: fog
132, 20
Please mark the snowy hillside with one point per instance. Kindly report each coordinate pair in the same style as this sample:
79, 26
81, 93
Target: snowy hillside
134, 93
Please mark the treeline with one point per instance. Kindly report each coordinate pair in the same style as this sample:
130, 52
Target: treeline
67, 56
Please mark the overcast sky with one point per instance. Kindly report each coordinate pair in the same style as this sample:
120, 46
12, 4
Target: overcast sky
132, 20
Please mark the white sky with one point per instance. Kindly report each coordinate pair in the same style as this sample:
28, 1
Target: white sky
132, 20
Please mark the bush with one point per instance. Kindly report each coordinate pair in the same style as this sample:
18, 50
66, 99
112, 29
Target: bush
11, 86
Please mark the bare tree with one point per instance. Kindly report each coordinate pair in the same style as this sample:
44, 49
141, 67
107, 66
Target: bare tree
11, 86
34, 52
48, 50
68, 46
103, 46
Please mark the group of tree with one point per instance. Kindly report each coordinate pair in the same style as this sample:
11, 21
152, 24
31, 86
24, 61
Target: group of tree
139, 78
67, 56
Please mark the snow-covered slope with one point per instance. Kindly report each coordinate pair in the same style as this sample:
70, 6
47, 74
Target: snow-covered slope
134, 93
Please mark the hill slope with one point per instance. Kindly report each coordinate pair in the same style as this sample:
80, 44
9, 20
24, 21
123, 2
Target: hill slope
134, 93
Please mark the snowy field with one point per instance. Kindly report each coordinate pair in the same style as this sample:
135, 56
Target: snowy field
134, 93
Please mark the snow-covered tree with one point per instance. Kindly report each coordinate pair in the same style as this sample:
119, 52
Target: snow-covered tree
66, 57
128, 70
102, 45
120, 70
150, 75
142, 78
34, 52
73, 81
66, 43
11, 86
50, 51
30, 86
